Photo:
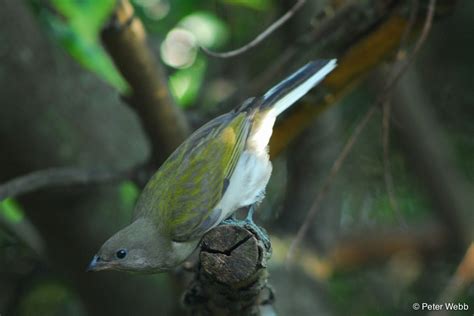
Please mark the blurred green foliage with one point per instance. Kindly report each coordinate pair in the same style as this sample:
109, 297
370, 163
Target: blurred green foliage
204, 29
11, 211
128, 194
185, 84
76, 25
254, 4
50, 298
209, 30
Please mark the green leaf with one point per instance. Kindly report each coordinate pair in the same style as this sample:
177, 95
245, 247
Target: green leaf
77, 30
50, 298
11, 211
253, 4
186, 83
128, 194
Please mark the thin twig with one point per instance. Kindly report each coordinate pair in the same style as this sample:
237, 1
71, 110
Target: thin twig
410, 25
419, 43
327, 183
385, 93
387, 106
262, 36
335, 34
55, 177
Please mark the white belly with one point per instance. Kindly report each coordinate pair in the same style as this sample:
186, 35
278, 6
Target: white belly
252, 172
247, 184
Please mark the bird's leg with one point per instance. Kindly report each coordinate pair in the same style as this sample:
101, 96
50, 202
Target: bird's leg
259, 231
231, 220
251, 211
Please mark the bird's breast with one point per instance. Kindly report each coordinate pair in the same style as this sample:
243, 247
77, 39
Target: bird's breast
247, 182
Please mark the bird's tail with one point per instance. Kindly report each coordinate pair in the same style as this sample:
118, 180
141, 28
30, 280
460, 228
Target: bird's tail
286, 93
281, 97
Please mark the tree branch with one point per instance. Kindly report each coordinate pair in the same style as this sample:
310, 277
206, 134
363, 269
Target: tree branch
125, 39
55, 177
459, 282
231, 276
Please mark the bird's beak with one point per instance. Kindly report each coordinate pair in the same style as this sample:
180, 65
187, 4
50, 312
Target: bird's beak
96, 264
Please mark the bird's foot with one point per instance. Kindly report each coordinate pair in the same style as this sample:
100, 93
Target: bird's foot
260, 233
231, 220
250, 225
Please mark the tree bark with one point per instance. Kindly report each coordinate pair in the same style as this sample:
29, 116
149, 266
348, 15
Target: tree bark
125, 40
231, 276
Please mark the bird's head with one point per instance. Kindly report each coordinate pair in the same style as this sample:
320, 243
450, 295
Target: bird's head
139, 247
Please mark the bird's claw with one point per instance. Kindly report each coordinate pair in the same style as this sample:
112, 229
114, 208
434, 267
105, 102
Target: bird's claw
260, 233
250, 225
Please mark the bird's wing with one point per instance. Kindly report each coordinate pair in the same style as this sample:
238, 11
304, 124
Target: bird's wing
181, 197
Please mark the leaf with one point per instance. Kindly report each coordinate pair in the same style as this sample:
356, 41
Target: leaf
77, 30
209, 30
186, 83
128, 194
253, 4
11, 211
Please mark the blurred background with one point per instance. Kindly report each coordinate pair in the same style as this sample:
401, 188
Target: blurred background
393, 219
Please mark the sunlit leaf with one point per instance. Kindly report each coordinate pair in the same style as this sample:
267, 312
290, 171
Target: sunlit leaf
128, 194
78, 28
253, 4
11, 211
185, 83
154, 9
209, 30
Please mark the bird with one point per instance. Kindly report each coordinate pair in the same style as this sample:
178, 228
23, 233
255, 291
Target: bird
222, 167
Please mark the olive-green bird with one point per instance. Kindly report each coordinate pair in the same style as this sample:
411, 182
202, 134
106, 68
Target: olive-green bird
221, 167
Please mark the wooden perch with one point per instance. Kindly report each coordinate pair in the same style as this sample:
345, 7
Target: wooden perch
231, 276
125, 39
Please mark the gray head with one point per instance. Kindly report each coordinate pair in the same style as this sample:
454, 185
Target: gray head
139, 247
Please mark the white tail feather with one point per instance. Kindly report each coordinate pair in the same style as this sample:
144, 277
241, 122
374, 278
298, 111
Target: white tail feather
284, 95
288, 100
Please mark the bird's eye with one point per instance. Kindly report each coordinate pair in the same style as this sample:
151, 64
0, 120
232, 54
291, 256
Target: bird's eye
121, 253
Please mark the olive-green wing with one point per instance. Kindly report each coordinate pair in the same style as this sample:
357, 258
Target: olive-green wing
181, 197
